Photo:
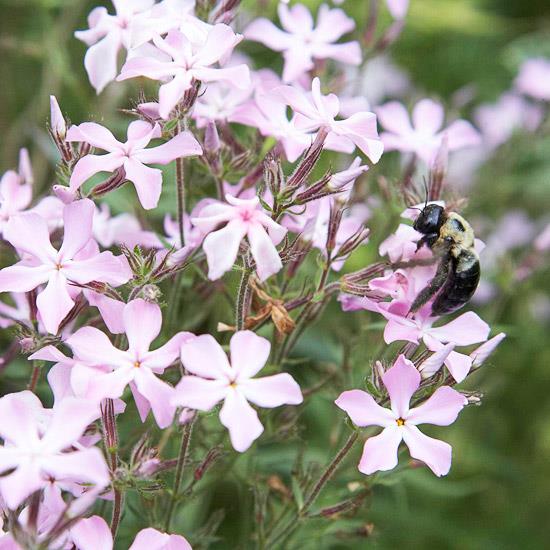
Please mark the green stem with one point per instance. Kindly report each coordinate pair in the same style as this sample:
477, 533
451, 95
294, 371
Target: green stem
242, 296
180, 190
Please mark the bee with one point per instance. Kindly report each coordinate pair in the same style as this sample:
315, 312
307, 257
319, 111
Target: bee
451, 238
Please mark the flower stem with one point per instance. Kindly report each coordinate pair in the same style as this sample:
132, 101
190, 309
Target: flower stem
35, 376
180, 190
182, 459
241, 306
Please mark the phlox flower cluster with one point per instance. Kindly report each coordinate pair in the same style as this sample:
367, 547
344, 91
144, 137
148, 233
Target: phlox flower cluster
115, 303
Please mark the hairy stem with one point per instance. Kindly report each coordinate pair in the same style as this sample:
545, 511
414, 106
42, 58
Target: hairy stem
182, 459
241, 305
180, 190
35, 376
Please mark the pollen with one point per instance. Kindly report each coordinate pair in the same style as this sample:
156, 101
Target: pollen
400, 422
137, 364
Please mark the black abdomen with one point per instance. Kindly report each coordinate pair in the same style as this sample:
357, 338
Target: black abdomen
460, 285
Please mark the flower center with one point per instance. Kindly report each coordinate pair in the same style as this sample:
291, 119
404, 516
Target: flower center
246, 215
400, 422
137, 364
59, 267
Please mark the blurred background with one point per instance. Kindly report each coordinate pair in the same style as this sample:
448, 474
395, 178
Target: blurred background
465, 53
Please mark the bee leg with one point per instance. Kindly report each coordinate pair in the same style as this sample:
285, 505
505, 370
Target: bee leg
427, 240
433, 286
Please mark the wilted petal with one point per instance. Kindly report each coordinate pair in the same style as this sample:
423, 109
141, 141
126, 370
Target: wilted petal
401, 381
363, 409
380, 452
249, 353
54, 302
441, 408
197, 393
435, 453
204, 357
272, 391
241, 420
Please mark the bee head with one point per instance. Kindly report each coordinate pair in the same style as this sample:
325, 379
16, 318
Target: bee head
430, 219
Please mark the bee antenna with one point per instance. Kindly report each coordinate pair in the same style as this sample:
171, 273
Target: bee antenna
427, 191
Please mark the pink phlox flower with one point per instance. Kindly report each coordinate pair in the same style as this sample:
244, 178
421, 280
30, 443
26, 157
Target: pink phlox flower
401, 245
106, 36
425, 135
400, 422
315, 110
213, 379
181, 60
398, 8
534, 78
42, 263
151, 539
242, 218
132, 156
138, 366
498, 121
301, 42
37, 452
15, 190
123, 228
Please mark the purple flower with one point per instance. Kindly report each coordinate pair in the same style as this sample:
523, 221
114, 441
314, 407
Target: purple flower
242, 218
180, 58
424, 137
42, 263
534, 78
132, 156
36, 446
215, 379
302, 43
400, 422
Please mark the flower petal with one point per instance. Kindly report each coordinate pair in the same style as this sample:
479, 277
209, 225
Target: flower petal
364, 410
100, 61
96, 135
380, 452
272, 391
151, 539
77, 223
171, 93
90, 165
147, 181
104, 267
435, 453
22, 278
54, 302
87, 466
182, 145
142, 323
394, 117
158, 393
241, 420
221, 248
93, 346
92, 533
264, 252
401, 381
465, 330
19, 425
441, 408
204, 357
427, 117
198, 393
20, 484
29, 233
249, 353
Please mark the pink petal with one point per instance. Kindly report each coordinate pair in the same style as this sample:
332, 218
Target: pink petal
363, 409
197, 393
401, 381
171, 93
241, 420
21, 278
332, 24
298, 62
348, 52
147, 181
249, 353
90, 383
361, 129
298, 101
110, 310
96, 135
29, 233
272, 391
19, 424
164, 356
394, 117
69, 421
441, 408
90, 165
100, 61
221, 248
220, 40
237, 76
142, 322
20, 484
462, 134
140, 133
465, 330
435, 453
204, 357
158, 393
104, 267
151, 539
295, 20
182, 145
54, 302
433, 363
264, 31
480, 355
264, 252
427, 117
396, 330
77, 222
91, 534
398, 8
83, 466
142, 404
93, 346
459, 365
380, 452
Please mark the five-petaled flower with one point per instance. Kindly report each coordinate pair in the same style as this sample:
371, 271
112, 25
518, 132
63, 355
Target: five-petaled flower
36, 445
131, 156
400, 422
302, 43
72, 263
182, 58
214, 379
243, 218
424, 137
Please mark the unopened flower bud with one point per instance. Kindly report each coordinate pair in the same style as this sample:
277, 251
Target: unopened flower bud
211, 138
186, 416
27, 344
151, 293
25, 168
308, 162
474, 399
57, 122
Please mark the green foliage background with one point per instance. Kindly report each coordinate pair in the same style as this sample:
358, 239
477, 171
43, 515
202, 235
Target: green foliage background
498, 493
